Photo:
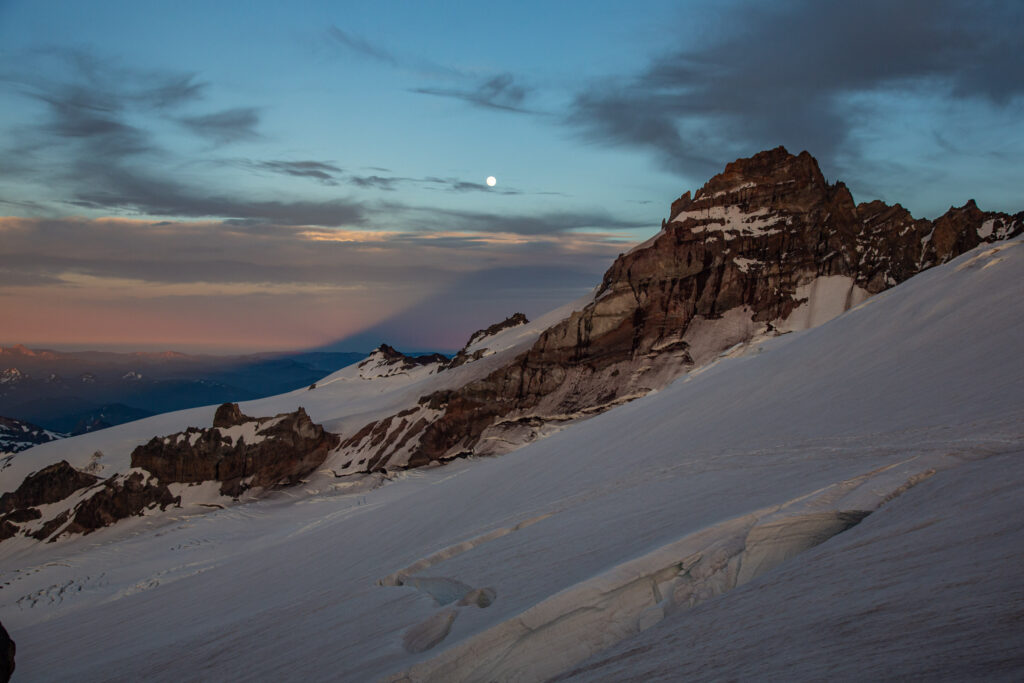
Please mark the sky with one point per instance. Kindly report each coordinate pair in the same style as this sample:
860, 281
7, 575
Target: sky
255, 176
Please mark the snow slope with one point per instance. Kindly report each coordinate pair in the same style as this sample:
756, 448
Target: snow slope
907, 409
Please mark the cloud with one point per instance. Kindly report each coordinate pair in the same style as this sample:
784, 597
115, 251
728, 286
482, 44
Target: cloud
362, 47
456, 185
91, 109
317, 170
223, 127
785, 73
502, 91
551, 223
113, 188
496, 92
375, 52
216, 283
192, 252
376, 182
391, 183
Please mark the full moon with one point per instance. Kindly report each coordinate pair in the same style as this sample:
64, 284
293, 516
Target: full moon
491, 181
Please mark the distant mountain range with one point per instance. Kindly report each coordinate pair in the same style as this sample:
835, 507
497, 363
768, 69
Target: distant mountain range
78, 392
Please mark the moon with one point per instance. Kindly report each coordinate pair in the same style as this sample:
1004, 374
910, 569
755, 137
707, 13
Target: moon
491, 181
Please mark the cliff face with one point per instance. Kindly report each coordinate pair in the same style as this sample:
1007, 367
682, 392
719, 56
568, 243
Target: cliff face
239, 451
766, 247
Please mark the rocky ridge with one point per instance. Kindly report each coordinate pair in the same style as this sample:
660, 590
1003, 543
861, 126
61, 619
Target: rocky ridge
386, 361
474, 348
239, 451
18, 435
764, 248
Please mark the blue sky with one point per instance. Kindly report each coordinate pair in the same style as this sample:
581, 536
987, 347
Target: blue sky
241, 176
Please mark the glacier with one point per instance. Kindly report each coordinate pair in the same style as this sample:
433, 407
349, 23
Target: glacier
839, 502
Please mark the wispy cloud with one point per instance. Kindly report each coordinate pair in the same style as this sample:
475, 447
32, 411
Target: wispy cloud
377, 182
91, 109
317, 170
223, 127
496, 92
361, 46
502, 91
116, 189
549, 223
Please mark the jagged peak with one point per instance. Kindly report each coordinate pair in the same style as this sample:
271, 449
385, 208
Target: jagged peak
514, 320
386, 361
773, 179
230, 415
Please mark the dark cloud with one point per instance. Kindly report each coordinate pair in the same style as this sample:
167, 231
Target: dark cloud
317, 170
784, 73
91, 109
391, 183
110, 79
456, 185
230, 125
376, 182
497, 92
93, 118
120, 189
552, 223
26, 275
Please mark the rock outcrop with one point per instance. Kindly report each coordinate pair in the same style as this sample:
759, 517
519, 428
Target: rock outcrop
465, 355
766, 247
7, 650
386, 361
122, 496
49, 485
18, 435
239, 451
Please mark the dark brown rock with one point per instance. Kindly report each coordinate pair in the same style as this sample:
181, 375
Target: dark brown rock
282, 450
23, 515
229, 415
48, 485
44, 532
120, 497
7, 651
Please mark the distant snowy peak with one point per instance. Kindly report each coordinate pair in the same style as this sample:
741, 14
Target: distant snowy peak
12, 376
386, 361
17, 436
480, 342
25, 352
480, 336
